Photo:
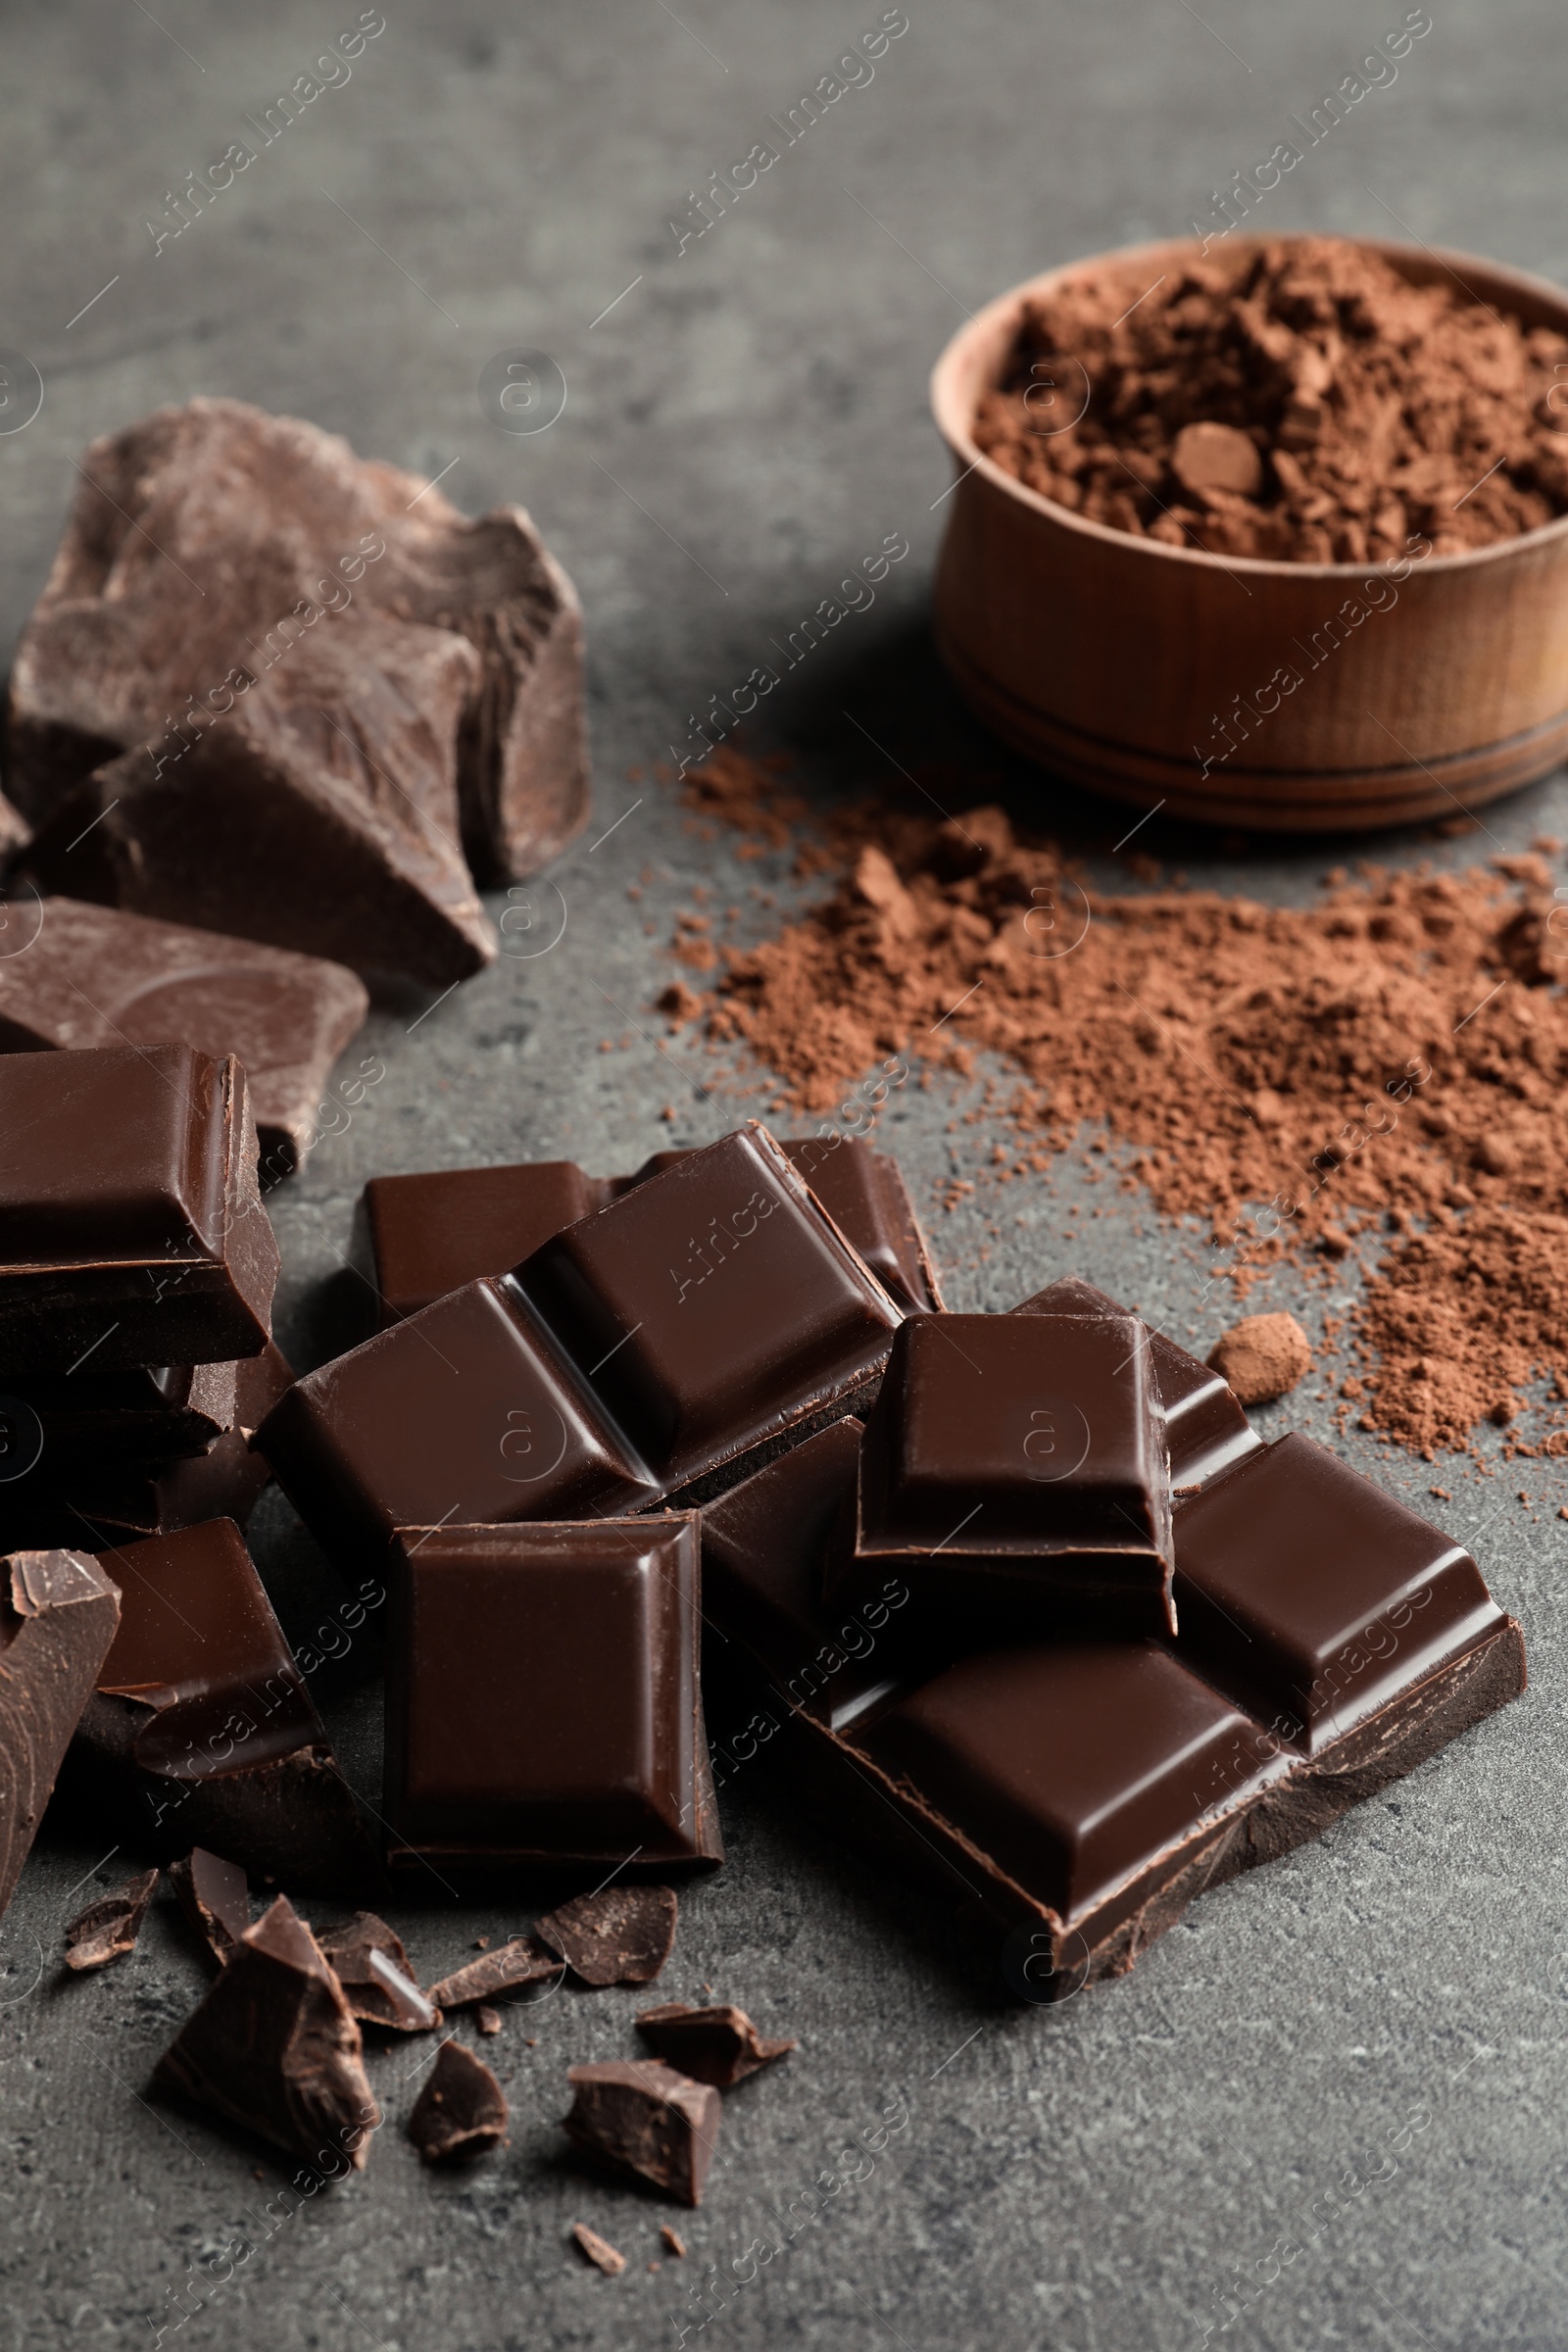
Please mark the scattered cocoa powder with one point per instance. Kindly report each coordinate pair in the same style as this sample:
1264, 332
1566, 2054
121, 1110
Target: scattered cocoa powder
1305, 404
1384, 1067
1262, 1356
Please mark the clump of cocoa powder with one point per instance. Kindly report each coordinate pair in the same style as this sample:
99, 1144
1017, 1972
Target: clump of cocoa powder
1384, 1069
1308, 406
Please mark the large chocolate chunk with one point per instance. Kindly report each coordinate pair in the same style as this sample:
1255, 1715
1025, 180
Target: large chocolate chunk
431, 1233
275, 2047
241, 585
58, 1615
131, 1230
645, 2117
543, 1699
94, 977
462, 2109
201, 1727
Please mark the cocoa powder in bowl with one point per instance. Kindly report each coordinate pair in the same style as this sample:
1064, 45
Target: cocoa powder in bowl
1310, 405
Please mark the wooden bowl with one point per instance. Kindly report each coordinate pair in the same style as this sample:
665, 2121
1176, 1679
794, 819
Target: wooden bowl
1115, 660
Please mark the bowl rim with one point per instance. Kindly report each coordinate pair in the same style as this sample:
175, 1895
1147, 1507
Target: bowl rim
954, 416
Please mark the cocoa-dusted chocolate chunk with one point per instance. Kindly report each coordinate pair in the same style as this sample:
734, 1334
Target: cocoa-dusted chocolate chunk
368, 1960
216, 1898
646, 2118
108, 1927
96, 976
622, 1935
718, 2045
462, 2110
275, 2049
132, 1229
522, 1961
58, 1615
368, 672
201, 1726
598, 2250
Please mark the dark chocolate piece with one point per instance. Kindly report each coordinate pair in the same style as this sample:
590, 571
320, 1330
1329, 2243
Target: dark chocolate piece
139, 1416
487, 2019
647, 2119
275, 2047
215, 1898
358, 642
622, 1935
1015, 1467
14, 835
1205, 1429
462, 2110
58, 1615
201, 1727
432, 1234
368, 1961
94, 977
461, 1415
604, 1759
522, 1961
108, 1927
718, 2045
1076, 1796
599, 2250
134, 1229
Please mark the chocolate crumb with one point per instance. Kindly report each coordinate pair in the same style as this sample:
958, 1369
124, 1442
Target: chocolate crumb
622, 1937
462, 2110
599, 2250
674, 2239
109, 1927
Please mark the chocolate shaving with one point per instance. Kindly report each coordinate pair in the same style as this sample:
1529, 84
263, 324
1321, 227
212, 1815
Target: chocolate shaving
718, 2045
275, 2049
522, 1961
646, 2118
462, 2111
622, 1937
379, 1984
215, 1896
108, 1927
599, 2250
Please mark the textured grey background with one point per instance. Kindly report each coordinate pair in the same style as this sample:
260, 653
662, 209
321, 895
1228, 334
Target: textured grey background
746, 421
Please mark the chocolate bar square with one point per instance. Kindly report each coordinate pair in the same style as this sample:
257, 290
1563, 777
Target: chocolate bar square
543, 1698
1016, 1465
133, 1230
1312, 1596
431, 1233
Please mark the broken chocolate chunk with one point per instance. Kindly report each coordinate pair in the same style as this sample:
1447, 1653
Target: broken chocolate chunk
95, 976
599, 2250
647, 2119
58, 1615
718, 2045
366, 676
379, 1984
622, 1937
108, 1927
487, 2019
522, 1961
215, 1896
462, 2111
275, 2047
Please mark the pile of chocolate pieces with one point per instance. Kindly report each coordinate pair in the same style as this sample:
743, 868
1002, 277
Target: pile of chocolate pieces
1024, 1602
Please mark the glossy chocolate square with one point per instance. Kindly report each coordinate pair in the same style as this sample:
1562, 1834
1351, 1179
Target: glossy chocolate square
1313, 1596
543, 1697
711, 1307
431, 1233
463, 1413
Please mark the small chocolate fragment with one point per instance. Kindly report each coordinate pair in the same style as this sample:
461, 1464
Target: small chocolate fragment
215, 1896
134, 1229
607, 1758
462, 2110
108, 1927
487, 2019
275, 2049
718, 2045
522, 1961
94, 977
1262, 1356
621, 1936
201, 1726
370, 1962
674, 2240
647, 2119
58, 1616
599, 2250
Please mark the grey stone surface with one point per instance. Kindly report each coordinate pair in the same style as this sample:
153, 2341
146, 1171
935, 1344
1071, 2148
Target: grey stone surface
1359, 2051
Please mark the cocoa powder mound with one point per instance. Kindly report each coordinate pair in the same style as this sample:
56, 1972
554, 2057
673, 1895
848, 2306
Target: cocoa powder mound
1384, 1068
1306, 405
